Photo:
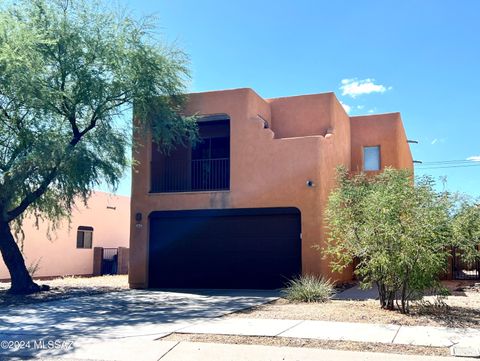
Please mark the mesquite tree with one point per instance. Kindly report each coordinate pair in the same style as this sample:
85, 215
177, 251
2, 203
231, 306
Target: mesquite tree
69, 69
398, 230
466, 228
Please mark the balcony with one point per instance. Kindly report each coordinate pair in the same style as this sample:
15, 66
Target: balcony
196, 175
203, 166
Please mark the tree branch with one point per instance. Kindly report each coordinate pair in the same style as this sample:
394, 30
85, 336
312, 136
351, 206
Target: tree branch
42, 188
33, 196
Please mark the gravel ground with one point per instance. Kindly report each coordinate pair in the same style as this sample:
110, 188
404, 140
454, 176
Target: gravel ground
65, 287
462, 310
298, 342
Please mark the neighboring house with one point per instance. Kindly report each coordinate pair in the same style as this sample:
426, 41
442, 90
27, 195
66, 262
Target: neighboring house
244, 208
104, 222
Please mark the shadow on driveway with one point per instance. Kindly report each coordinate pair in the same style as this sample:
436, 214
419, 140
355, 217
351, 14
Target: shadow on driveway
131, 313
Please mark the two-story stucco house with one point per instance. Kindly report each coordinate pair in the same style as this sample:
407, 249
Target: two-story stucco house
244, 208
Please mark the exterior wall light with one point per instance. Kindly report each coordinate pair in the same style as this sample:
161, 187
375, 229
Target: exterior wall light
138, 219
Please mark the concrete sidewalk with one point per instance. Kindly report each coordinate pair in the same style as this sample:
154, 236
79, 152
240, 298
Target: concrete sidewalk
149, 348
199, 351
343, 331
196, 351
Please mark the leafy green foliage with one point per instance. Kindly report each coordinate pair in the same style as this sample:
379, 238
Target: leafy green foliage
398, 230
69, 70
466, 228
308, 288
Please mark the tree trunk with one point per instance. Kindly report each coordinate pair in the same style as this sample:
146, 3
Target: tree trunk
405, 298
391, 301
381, 294
21, 281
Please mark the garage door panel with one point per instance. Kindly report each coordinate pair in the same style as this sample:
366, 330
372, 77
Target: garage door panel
231, 249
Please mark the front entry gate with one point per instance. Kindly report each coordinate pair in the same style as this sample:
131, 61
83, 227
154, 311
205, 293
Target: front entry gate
463, 269
110, 261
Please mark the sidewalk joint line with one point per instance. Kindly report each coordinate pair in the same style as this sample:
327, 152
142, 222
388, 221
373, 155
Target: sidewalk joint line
289, 328
200, 322
170, 349
396, 333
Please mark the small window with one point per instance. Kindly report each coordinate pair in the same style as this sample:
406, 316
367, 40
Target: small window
84, 237
371, 158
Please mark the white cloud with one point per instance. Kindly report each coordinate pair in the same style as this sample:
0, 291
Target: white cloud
360, 107
434, 141
354, 87
346, 107
474, 158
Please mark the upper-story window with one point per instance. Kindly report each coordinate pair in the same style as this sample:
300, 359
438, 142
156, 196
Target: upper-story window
203, 167
84, 237
371, 158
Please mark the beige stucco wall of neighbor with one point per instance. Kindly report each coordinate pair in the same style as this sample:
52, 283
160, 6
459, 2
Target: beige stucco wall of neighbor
309, 136
59, 256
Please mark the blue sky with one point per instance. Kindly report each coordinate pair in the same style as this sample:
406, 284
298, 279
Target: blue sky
421, 58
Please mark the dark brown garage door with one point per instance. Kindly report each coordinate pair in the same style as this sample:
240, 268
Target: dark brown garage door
235, 248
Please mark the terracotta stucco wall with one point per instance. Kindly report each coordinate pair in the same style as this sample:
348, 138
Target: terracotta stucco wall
309, 137
58, 255
385, 130
338, 153
404, 154
303, 115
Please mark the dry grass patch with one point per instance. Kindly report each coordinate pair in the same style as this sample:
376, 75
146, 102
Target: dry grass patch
300, 342
65, 287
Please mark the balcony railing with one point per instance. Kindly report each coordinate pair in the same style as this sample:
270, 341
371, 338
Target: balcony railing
190, 176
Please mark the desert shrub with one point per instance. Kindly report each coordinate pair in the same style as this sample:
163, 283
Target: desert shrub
308, 288
398, 229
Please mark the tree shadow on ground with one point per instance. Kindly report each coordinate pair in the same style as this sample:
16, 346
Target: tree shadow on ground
450, 316
130, 313
54, 294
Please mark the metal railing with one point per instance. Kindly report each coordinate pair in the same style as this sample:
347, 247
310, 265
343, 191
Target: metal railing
110, 261
190, 176
463, 269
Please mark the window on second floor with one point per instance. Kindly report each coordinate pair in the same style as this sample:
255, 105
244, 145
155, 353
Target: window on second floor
203, 167
371, 158
84, 237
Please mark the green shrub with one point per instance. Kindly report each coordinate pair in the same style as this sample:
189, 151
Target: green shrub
397, 228
308, 288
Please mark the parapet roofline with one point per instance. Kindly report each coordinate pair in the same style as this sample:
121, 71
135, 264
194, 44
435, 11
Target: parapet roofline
266, 99
330, 93
221, 91
387, 114
302, 95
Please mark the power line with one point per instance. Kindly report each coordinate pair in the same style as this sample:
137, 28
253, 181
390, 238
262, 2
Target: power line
449, 166
466, 161
446, 164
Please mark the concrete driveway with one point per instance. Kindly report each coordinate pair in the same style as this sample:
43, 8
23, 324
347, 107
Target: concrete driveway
60, 327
